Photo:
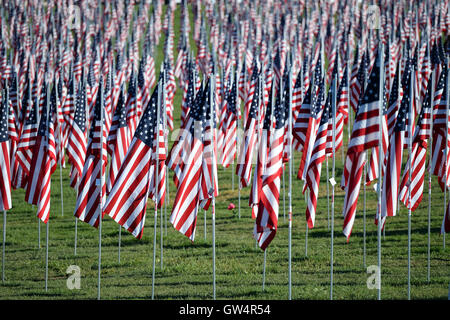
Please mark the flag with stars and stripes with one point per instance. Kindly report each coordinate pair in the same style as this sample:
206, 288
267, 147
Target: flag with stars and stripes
43, 163
91, 187
244, 165
269, 195
314, 169
186, 203
127, 200
417, 158
5, 171
394, 156
77, 141
365, 135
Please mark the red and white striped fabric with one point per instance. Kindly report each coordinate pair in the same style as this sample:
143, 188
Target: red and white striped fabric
267, 218
418, 158
127, 200
92, 188
5, 171
315, 164
244, 165
117, 142
365, 135
229, 143
300, 127
391, 183
43, 164
185, 207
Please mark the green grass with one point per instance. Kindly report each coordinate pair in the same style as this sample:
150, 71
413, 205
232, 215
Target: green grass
187, 267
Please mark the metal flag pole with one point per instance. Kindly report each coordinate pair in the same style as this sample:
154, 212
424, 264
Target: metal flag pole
446, 150
284, 195
290, 183
380, 150
158, 106
332, 180
60, 159
429, 177
204, 223
4, 231
39, 230
4, 243
213, 200
410, 119
101, 183
48, 222
238, 105
164, 115
264, 270
83, 80
364, 215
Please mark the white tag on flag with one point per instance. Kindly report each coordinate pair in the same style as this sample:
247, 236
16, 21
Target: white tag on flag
333, 182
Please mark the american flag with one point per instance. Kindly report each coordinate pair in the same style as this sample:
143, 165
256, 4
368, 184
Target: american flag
365, 135
229, 145
372, 172
77, 141
118, 141
313, 122
5, 172
395, 154
127, 200
300, 127
43, 163
357, 80
209, 182
131, 106
267, 219
186, 204
25, 145
188, 93
244, 165
417, 157
439, 127
252, 92
91, 188
317, 157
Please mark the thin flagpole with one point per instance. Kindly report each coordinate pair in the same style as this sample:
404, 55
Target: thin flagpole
334, 87
238, 102
284, 196
39, 231
4, 244
446, 150
380, 150
156, 192
101, 183
48, 222
120, 240
167, 193
290, 184
60, 180
429, 181
46, 256
409, 177
164, 115
364, 217
264, 270
328, 194
213, 200
76, 231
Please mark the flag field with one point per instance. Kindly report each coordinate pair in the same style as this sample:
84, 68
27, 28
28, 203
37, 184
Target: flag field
187, 268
